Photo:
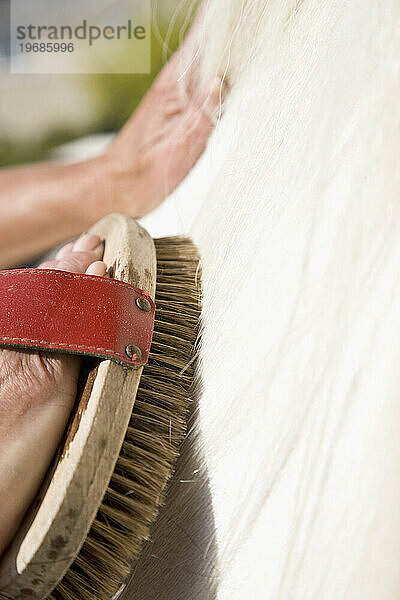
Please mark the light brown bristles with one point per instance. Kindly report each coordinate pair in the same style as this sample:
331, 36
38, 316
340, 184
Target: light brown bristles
158, 424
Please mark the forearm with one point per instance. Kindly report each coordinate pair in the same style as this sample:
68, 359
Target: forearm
42, 205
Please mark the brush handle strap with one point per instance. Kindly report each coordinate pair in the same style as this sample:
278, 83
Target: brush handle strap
58, 311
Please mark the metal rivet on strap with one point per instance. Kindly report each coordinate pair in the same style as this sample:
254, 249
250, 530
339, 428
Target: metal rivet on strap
143, 304
133, 352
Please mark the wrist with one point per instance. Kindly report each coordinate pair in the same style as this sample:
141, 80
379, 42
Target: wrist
111, 184
125, 183
91, 200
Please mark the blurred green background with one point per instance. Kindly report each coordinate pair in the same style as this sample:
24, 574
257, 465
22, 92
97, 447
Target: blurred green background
41, 112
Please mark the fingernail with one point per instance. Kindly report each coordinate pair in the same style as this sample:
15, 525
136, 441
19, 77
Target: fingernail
89, 241
97, 268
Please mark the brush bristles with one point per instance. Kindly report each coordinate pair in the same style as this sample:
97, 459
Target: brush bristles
158, 424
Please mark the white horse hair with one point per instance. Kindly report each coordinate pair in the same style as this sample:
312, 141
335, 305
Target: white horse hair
297, 218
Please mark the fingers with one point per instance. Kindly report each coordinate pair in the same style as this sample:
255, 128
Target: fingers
191, 135
81, 256
201, 115
65, 250
184, 63
97, 268
86, 242
184, 139
192, 42
211, 102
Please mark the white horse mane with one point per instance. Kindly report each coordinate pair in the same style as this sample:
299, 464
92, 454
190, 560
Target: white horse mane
297, 218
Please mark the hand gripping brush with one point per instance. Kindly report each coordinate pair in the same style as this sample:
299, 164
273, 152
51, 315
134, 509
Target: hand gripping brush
94, 510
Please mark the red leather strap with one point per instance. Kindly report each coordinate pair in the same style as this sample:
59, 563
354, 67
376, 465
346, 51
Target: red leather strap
75, 313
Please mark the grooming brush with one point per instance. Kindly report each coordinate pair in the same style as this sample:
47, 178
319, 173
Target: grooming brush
95, 508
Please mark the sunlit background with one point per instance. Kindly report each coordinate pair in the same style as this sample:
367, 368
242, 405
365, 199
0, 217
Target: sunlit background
68, 116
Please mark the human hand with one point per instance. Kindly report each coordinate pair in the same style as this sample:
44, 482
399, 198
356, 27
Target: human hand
164, 138
37, 393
